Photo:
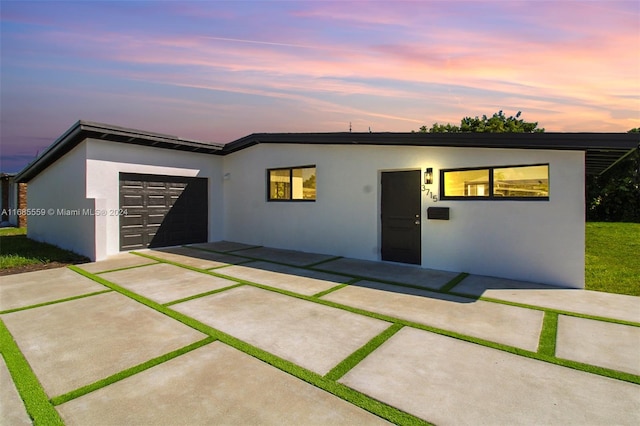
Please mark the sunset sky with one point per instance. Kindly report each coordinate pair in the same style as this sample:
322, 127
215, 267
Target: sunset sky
218, 70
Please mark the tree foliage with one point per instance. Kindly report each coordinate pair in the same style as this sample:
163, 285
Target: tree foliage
615, 195
497, 123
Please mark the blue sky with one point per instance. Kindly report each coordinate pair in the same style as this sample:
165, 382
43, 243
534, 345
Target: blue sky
217, 71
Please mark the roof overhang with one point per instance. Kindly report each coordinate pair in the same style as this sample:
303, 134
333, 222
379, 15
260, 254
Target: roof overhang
86, 129
603, 150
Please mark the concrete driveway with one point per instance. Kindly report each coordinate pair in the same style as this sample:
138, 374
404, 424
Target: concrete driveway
224, 333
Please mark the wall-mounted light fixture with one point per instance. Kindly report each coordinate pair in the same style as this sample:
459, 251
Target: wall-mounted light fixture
428, 176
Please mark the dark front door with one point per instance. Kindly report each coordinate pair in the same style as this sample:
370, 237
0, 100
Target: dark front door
162, 210
401, 240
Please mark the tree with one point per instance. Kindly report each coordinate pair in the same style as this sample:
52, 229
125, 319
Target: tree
497, 123
615, 195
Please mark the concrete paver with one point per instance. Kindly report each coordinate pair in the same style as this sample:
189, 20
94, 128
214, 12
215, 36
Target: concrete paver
224, 246
505, 324
449, 381
599, 343
406, 274
32, 288
194, 257
297, 258
214, 384
165, 283
313, 336
12, 410
616, 306
302, 281
443, 380
74, 343
117, 261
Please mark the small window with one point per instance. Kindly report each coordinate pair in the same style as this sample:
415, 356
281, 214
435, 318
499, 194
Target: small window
496, 183
292, 184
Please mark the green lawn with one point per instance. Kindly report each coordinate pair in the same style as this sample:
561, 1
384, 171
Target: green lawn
612, 261
17, 250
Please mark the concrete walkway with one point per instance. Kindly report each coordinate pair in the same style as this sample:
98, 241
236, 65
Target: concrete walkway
225, 333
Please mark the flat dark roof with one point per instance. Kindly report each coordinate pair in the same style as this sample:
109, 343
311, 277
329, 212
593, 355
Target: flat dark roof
82, 130
602, 150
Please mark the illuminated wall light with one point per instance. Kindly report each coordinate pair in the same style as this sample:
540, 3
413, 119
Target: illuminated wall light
428, 176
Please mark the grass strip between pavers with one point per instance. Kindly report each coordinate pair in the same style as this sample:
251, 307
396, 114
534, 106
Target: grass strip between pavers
29, 388
61, 399
206, 293
145, 301
309, 266
53, 302
331, 259
125, 268
606, 372
561, 312
351, 395
222, 251
234, 253
354, 359
330, 290
453, 282
456, 280
227, 265
181, 265
548, 334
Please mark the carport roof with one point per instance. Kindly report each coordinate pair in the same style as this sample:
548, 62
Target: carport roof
602, 150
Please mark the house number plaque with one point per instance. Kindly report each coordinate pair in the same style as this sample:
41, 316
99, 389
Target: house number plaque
433, 196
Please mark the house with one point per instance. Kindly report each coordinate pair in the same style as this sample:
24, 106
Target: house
13, 199
505, 205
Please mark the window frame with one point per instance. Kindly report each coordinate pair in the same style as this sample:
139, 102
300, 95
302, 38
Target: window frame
290, 199
491, 196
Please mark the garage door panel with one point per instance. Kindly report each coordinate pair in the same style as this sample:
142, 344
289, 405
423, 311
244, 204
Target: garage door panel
131, 222
131, 241
131, 201
157, 200
162, 210
131, 184
156, 185
155, 219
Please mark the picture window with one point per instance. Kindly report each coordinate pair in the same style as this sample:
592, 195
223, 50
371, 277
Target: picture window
526, 182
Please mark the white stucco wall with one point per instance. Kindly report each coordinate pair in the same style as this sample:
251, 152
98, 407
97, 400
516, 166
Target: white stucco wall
105, 160
58, 190
539, 241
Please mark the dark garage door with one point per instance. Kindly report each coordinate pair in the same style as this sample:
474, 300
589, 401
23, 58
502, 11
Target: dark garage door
162, 210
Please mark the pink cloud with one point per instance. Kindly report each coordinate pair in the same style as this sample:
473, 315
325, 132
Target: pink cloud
541, 71
572, 61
